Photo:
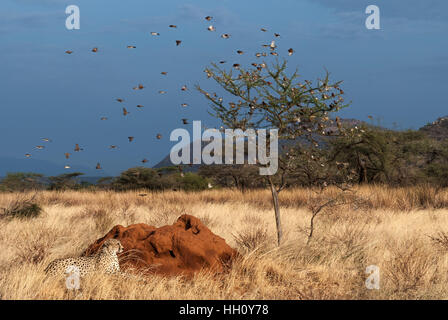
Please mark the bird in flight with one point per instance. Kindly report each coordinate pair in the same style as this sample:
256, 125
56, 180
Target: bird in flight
113, 147
103, 118
225, 36
77, 148
67, 155
222, 61
131, 139
98, 166
159, 136
139, 87
131, 47
67, 167
40, 147
46, 139
185, 121
208, 18
120, 100
291, 51
211, 28
162, 92
27, 155
184, 88
69, 52
125, 112
240, 52
236, 65
95, 49
184, 105
164, 73
144, 160
139, 106
276, 35
172, 26
155, 34
263, 29
178, 42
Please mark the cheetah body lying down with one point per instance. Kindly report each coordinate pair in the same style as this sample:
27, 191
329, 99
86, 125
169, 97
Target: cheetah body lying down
105, 261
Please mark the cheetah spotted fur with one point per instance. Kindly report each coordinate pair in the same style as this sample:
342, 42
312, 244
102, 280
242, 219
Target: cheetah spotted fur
105, 261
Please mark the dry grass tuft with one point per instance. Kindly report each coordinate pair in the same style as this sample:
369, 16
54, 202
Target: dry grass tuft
392, 228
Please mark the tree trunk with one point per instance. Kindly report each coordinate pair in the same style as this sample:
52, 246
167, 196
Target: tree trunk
277, 211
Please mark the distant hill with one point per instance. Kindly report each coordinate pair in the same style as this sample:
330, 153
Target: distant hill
45, 167
166, 161
437, 129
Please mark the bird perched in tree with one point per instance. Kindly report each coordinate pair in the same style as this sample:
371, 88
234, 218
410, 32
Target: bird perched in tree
125, 112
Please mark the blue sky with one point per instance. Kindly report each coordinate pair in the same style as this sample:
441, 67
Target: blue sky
396, 74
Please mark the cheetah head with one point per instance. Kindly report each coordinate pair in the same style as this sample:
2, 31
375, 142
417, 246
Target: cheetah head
112, 246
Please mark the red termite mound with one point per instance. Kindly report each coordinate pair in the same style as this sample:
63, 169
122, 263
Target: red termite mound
185, 247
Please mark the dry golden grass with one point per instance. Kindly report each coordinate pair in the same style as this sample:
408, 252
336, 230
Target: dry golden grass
403, 231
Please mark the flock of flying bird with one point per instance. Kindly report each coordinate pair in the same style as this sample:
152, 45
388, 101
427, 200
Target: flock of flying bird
272, 46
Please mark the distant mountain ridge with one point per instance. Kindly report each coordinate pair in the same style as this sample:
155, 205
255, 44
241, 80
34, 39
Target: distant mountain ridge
438, 129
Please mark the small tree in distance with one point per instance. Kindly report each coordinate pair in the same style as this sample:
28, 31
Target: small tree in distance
267, 97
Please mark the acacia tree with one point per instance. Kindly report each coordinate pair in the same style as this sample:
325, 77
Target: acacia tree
270, 97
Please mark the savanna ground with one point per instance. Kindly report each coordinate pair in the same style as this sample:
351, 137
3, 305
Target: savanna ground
403, 231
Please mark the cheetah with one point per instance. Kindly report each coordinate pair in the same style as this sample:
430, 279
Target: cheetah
105, 261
